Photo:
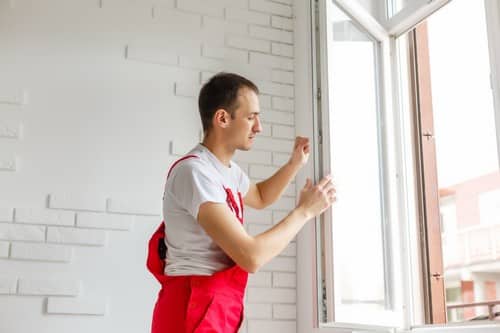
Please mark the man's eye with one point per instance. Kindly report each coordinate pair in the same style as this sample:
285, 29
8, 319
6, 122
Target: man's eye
251, 118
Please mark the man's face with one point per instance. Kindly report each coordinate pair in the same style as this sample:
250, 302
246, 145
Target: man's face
246, 122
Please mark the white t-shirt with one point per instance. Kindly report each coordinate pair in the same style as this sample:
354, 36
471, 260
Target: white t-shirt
193, 181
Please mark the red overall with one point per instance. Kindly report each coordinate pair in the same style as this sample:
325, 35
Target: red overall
198, 304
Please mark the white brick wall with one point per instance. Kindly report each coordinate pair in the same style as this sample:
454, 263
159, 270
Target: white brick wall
274, 145
6, 214
243, 15
104, 221
282, 23
152, 54
281, 264
279, 215
253, 216
259, 311
28, 286
290, 251
10, 231
282, 118
271, 34
255, 229
271, 295
285, 203
11, 130
186, 22
77, 202
284, 280
220, 52
272, 62
44, 216
286, 132
41, 252
280, 159
271, 326
284, 311
260, 279
121, 108
271, 7
200, 7
282, 49
13, 96
83, 306
253, 156
76, 236
8, 285
186, 89
8, 162
249, 44
133, 205
265, 100
4, 249
261, 171
284, 104
282, 76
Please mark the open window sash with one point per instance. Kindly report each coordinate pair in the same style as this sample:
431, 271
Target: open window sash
339, 312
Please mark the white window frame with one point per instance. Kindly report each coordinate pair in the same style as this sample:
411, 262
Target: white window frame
493, 26
399, 164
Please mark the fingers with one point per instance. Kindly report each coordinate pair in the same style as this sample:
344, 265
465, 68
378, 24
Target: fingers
332, 195
302, 143
329, 187
324, 181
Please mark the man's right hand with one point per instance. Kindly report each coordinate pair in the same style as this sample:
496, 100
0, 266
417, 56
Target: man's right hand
315, 199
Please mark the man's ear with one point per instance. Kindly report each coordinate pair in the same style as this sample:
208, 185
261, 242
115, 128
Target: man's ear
221, 118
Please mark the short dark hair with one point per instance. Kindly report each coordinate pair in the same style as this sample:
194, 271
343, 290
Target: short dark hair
221, 92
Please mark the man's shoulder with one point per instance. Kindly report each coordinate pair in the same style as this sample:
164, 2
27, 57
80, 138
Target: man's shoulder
194, 164
191, 162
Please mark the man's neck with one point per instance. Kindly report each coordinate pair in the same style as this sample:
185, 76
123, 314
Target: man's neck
223, 153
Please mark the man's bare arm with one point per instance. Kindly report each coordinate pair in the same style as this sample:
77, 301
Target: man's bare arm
265, 193
251, 252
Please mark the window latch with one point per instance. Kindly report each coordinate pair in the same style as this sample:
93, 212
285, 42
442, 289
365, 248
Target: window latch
428, 135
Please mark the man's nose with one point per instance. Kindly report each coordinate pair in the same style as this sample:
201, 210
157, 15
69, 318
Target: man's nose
257, 127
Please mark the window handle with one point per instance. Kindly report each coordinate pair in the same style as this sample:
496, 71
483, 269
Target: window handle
437, 276
428, 135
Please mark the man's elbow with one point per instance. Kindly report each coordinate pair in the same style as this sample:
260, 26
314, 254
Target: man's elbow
262, 201
251, 263
251, 266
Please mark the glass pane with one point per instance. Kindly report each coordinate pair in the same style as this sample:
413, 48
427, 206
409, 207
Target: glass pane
377, 8
358, 228
395, 6
466, 156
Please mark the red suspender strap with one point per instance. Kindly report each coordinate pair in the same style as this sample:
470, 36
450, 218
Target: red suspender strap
233, 205
177, 162
241, 205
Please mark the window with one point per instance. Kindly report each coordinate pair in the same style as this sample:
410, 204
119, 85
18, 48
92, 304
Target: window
392, 251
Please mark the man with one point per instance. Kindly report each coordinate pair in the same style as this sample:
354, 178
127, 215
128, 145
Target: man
209, 254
